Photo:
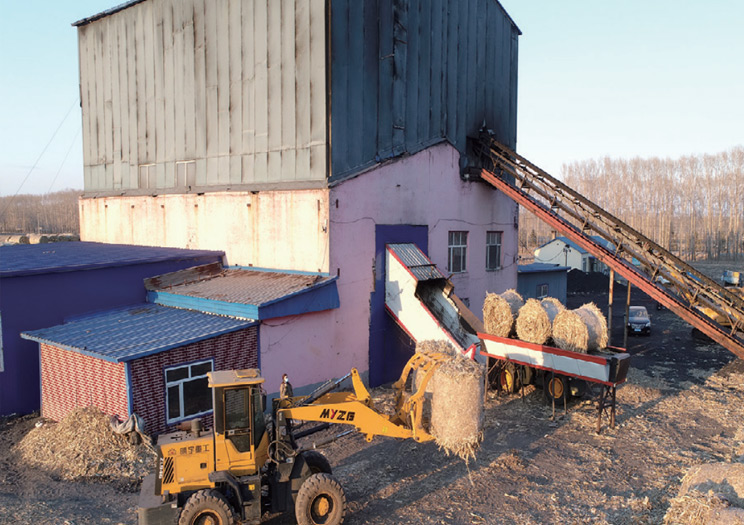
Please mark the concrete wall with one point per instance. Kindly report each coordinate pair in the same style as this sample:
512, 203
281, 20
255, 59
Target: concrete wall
268, 229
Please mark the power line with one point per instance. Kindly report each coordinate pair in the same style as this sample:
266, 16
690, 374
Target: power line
65, 159
10, 201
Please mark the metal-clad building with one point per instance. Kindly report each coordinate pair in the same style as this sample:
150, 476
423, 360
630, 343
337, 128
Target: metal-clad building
43, 284
200, 95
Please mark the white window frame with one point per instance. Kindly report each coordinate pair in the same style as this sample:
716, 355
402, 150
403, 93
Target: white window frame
542, 291
498, 236
180, 383
457, 248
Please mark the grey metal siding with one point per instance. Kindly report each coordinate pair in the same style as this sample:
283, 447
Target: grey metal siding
408, 73
237, 86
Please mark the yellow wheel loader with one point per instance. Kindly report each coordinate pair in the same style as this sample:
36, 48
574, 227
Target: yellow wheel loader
249, 464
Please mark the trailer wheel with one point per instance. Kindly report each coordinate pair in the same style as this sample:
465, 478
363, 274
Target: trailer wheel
320, 501
316, 462
508, 379
207, 507
555, 387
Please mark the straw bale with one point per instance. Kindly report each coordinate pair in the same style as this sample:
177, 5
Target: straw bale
500, 311
533, 323
457, 406
581, 330
83, 446
552, 307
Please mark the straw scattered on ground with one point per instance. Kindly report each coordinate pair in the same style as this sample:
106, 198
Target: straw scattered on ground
83, 447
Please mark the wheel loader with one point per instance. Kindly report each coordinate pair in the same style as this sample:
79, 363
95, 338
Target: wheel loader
250, 463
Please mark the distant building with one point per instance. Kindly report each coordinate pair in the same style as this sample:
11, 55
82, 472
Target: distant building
44, 284
305, 141
564, 251
539, 280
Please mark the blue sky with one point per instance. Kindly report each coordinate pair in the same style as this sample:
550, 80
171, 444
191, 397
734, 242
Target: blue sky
625, 78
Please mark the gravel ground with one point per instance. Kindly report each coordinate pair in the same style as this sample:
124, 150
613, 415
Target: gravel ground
683, 406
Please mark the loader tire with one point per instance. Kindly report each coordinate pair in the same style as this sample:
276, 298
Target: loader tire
320, 501
316, 462
207, 507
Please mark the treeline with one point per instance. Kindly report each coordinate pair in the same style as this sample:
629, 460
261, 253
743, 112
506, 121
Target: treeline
51, 213
693, 206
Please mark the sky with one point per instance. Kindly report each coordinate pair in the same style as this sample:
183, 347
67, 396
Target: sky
596, 78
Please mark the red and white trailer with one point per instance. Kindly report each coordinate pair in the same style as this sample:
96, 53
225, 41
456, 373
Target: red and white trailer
561, 373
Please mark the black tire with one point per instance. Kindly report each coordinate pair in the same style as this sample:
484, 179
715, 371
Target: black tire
509, 380
207, 507
577, 387
316, 462
555, 387
320, 501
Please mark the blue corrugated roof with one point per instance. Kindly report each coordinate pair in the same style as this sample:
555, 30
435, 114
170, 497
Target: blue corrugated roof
416, 261
135, 331
541, 267
596, 238
29, 259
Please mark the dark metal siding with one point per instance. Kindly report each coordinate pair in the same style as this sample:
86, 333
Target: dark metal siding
406, 74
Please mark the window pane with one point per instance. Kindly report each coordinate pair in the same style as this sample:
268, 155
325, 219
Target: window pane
176, 374
174, 402
201, 369
197, 396
237, 410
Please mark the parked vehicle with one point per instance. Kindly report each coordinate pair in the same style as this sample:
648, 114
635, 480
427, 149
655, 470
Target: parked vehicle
638, 321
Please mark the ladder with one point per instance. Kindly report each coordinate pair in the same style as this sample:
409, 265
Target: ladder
661, 275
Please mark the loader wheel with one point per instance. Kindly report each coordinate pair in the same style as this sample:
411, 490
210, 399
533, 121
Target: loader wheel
555, 387
316, 462
320, 501
508, 378
207, 507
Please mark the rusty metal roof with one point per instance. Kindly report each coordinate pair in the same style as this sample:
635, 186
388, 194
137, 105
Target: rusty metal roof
417, 263
254, 294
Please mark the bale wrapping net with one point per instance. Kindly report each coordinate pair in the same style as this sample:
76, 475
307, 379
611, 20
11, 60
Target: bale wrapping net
533, 323
453, 400
581, 330
500, 311
552, 307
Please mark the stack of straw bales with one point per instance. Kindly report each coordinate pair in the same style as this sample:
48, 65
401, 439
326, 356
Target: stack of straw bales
454, 401
500, 311
535, 320
581, 330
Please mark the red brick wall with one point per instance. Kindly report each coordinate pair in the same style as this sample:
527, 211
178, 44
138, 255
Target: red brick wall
235, 350
70, 380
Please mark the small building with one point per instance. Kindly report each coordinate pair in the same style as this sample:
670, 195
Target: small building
564, 251
43, 284
540, 280
146, 359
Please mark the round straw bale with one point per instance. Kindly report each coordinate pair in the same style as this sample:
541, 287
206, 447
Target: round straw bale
429, 346
499, 312
581, 330
433, 346
457, 406
552, 307
533, 323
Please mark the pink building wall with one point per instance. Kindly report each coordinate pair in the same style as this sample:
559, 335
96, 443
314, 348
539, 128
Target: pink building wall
423, 189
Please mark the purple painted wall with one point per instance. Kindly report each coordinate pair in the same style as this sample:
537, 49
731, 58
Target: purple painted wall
423, 189
41, 300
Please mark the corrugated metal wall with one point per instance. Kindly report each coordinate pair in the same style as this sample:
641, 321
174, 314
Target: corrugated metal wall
237, 87
408, 73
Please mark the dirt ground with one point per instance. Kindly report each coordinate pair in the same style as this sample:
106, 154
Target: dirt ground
683, 406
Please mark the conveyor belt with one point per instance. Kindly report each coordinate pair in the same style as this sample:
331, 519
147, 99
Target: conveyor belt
685, 289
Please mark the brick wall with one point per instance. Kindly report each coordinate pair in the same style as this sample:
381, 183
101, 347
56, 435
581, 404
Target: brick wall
70, 380
235, 350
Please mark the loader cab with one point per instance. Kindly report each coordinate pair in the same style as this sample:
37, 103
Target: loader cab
240, 439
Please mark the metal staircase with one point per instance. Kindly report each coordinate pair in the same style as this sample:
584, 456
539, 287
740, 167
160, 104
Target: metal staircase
685, 290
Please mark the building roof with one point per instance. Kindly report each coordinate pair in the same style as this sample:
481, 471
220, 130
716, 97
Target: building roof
30, 259
596, 238
248, 293
106, 13
132, 332
541, 268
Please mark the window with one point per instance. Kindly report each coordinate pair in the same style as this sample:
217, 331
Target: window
187, 392
493, 251
147, 176
542, 291
457, 248
185, 173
